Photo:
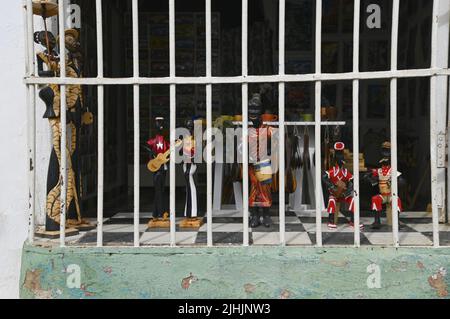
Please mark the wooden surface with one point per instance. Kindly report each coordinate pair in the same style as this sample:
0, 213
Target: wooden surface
42, 233
196, 222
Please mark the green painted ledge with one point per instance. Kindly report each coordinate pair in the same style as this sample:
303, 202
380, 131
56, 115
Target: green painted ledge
233, 272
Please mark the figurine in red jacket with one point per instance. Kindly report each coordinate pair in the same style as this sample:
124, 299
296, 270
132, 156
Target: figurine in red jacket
157, 145
339, 182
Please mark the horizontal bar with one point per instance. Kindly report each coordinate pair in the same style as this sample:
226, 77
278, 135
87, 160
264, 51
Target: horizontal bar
243, 79
307, 123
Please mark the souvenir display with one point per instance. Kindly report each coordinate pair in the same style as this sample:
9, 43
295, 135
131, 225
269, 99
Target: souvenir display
383, 178
339, 182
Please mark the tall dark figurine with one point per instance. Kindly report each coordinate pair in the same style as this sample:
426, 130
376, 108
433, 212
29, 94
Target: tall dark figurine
260, 167
383, 178
48, 66
339, 182
189, 168
159, 146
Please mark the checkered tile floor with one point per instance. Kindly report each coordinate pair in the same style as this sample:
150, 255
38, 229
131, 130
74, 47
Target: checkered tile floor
416, 230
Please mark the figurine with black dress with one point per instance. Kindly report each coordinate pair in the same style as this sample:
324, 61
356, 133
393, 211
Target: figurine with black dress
191, 219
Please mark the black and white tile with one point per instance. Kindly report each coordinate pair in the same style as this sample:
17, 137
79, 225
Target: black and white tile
300, 230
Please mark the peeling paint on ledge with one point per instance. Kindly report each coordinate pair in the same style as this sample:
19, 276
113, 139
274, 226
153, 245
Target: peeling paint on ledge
234, 272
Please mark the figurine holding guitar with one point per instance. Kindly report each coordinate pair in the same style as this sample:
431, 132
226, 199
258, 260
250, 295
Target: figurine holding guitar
159, 150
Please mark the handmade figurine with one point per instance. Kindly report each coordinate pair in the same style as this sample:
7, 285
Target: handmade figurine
159, 150
48, 66
339, 182
260, 167
383, 178
189, 168
78, 115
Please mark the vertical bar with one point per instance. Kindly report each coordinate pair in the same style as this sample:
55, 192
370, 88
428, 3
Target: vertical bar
62, 63
100, 146
172, 120
31, 121
318, 98
209, 191
281, 116
394, 164
136, 98
433, 124
356, 204
245, 205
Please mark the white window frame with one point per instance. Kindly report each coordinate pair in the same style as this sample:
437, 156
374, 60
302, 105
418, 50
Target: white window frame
438, 74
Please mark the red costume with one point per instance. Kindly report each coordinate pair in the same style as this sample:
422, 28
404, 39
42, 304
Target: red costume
158, 144
384, 176
335, 175
258, 139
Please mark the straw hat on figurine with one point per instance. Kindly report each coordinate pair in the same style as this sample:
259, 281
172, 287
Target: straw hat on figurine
385, 152
45, 8
72, 32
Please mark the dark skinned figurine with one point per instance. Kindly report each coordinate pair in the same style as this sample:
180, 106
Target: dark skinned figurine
383, 178
339, 182
155, 146
260, 170
48, 66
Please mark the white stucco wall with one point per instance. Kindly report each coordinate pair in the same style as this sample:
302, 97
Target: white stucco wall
13, 149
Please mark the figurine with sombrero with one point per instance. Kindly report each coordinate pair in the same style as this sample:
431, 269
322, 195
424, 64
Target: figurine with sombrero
383, 178
339, 182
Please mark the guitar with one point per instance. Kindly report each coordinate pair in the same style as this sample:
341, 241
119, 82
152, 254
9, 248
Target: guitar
155, 164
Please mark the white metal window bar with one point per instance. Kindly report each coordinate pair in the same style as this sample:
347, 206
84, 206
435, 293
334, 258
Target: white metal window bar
173, 111
136, 99
63, 112
394, 186
355, 115
101, 124
281, 116
31, 119
318, 127
245, 204
32, 81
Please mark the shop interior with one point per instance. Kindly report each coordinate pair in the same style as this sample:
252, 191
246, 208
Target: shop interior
336, 102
